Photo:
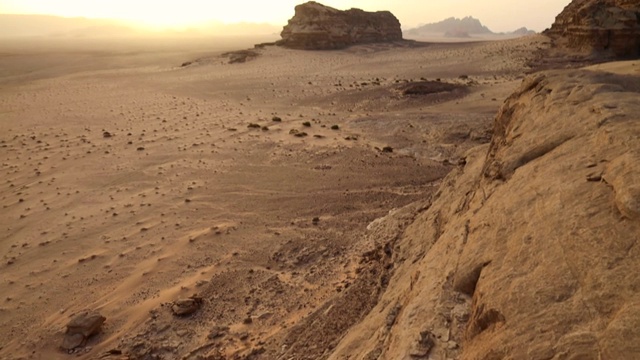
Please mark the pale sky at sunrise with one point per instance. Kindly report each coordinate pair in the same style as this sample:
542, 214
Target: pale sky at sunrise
498, 15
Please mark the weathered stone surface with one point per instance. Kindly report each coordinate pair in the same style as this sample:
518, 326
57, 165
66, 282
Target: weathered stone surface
188, 306
80, 328
519, 256
318, 27
600, 25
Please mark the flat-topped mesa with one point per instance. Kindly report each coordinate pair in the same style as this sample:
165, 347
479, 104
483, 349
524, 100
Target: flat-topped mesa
599, 25
318, 27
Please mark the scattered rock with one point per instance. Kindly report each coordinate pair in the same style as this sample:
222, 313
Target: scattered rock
423, 346
218, 332
80, 328
298, 133
594, 177
241, 56
188, 306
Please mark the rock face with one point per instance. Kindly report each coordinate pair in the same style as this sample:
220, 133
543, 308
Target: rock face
530, 248
318, 27
600, 25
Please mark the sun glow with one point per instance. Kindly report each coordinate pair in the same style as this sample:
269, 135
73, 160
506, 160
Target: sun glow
499, 15
150, 13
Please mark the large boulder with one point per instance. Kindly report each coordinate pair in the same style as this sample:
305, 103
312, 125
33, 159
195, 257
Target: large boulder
599, 25
318, 27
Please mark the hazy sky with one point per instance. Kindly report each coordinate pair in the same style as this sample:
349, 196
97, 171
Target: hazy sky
498, 15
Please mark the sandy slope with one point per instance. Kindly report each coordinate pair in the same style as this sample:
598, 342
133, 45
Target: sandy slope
128, 185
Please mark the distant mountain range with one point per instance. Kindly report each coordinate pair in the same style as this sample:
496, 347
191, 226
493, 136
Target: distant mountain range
71, 28
454, 27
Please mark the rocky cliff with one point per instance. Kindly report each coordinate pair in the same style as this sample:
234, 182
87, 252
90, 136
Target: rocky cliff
318, 27
530, 248
600, 25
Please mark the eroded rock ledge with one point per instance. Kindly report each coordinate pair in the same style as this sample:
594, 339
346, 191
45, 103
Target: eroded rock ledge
530, 250
611, 26
319, 27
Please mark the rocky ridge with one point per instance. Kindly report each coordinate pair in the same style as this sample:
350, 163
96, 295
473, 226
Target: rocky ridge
465, 27
529, 248
599, 25
319, 27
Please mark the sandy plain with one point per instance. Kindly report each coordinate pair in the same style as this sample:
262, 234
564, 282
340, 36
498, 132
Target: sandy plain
129, 181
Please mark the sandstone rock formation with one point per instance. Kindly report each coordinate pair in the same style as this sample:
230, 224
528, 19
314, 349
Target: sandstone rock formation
530, 248
600, 25
318, 27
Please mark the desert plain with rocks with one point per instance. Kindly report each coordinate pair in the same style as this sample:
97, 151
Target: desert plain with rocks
383, 201
137, 182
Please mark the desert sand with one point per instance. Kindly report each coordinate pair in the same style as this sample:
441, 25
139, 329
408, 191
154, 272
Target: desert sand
130, 181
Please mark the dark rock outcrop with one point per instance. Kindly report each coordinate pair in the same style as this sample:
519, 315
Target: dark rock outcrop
318, 27
599, 25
